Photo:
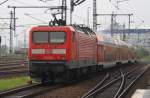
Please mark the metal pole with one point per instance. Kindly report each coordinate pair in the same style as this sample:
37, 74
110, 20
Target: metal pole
0, 50
124, 34
94, 15
71, 2
11, 39
0, 45
14, 27
129, 23
71, 17
112, 23
64, 11
112, 19
5, 41
16, 41
5, 46
88, 13
71, 10
24, 39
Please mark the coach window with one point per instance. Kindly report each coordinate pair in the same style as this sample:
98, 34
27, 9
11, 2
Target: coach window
57, 37
73, 36
40, 37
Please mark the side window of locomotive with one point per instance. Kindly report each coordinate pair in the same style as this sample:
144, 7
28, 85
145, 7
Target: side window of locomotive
73, 36
40, 37
57, 37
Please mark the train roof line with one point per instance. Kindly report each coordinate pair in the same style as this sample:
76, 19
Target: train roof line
112, 41
84, 29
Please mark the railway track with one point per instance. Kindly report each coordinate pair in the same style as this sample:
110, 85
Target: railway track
29, 91
117, 87
12, 57
13, 68
7, 68
13, 63
13, 73
116, 81
79, 89
12, 60
7, 71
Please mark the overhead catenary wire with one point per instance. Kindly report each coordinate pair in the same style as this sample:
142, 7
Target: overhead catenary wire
137, 18
3, 2
123, 9
20, 2
78, 2
35, 18
45, 0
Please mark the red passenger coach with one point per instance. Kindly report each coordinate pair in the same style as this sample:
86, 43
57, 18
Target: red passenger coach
112, 52
60, 51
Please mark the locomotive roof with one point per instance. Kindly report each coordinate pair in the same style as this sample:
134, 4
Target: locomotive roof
53, 27
85, 29
80, 28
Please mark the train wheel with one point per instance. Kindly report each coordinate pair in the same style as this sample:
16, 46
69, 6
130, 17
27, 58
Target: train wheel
43, 81
46, 79
129, 62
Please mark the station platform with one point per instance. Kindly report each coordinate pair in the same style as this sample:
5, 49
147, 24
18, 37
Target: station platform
141, 93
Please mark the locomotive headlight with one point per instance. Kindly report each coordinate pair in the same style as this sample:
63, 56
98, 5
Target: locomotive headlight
58, 51
38, 51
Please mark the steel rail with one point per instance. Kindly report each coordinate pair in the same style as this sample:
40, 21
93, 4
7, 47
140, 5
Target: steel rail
98, 85
13, 71
121, 86
8, 92
17, 62
109, 84
7, 68
133, 82
36, 93
31, 91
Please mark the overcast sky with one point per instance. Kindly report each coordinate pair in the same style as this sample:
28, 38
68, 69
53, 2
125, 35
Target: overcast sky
140, 9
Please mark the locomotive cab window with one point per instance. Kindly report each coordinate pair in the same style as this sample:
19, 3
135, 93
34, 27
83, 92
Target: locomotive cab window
57, 37
40, 37
49, 37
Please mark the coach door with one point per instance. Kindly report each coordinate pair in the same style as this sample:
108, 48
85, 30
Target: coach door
101, 54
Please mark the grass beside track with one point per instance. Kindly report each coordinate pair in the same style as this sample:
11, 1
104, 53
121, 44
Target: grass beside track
13, 82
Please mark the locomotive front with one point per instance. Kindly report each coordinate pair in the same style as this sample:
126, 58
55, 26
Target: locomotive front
48, 52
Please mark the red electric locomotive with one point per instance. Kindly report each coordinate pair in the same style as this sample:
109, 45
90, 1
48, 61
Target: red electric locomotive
65, 52
60, 51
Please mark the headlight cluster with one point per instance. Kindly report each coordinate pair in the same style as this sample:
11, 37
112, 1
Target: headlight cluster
58, 51
54, 51
38, 51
